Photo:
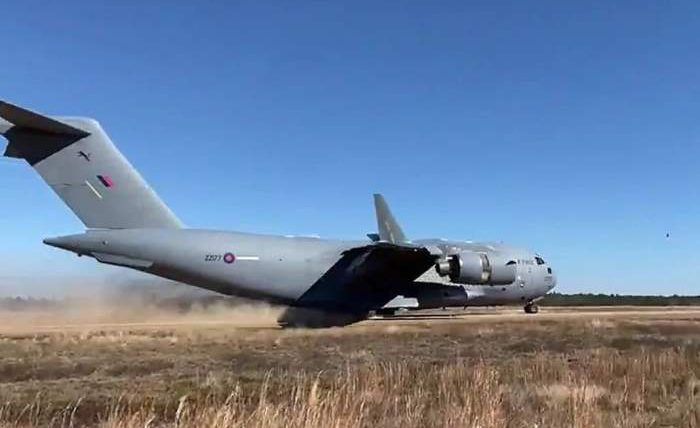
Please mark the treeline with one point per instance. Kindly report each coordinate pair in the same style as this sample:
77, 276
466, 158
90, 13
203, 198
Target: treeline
557, 299
25, 303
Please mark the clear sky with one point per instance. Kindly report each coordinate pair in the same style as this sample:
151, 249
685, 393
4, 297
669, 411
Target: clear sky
571, 128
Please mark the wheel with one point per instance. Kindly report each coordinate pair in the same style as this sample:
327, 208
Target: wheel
531, 308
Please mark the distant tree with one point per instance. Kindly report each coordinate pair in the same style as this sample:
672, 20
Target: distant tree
584, 299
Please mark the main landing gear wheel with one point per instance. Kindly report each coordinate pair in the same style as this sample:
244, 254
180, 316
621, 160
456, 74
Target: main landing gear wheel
531, 308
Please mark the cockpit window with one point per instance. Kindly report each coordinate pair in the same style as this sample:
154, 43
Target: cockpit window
539, 260
512, 262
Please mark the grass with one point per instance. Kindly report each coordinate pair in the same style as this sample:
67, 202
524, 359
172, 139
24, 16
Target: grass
520, 372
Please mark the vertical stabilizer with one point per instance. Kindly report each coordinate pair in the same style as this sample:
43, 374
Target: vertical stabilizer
80, 163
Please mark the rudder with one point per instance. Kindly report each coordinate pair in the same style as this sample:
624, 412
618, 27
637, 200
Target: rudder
80, 163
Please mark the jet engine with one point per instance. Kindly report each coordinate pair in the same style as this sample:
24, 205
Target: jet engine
476, 268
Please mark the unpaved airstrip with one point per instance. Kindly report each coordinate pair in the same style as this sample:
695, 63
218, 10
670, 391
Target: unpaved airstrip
221, 366
252, 318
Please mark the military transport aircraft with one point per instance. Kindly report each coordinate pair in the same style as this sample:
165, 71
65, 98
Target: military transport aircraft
324, 282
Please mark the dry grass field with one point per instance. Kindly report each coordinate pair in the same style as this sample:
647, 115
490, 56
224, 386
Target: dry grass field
134, 367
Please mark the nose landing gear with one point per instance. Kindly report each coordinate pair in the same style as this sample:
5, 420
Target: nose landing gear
531, 308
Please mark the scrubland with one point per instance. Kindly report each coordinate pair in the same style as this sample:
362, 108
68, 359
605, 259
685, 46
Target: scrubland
235, 368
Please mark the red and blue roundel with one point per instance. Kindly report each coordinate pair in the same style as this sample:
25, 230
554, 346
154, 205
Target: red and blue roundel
106, 180
229, 258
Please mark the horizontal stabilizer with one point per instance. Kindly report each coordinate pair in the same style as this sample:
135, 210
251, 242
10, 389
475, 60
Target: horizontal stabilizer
28, 120
34, 137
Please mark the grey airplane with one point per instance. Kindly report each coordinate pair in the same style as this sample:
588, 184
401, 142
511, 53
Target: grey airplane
323, 282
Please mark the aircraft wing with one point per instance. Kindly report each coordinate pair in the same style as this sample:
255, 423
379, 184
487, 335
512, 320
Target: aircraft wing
366, 278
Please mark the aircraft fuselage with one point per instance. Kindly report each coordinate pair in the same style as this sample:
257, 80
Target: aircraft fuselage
281, 269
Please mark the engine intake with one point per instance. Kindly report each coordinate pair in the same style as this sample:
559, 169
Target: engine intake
476, 268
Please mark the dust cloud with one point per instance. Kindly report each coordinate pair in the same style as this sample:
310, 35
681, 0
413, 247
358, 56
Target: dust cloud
124, 302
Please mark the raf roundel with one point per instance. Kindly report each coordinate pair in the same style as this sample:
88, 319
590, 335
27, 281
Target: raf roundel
229, 258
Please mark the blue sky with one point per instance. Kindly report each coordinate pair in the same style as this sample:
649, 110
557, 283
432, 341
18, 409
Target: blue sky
572, 129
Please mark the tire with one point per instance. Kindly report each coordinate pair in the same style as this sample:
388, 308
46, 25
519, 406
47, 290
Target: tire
531, 309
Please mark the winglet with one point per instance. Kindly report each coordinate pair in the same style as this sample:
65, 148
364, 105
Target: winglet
387, 226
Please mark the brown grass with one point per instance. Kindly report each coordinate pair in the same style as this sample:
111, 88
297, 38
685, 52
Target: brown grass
521, 372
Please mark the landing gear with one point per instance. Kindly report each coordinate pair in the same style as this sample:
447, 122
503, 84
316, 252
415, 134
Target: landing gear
531, 308
386, 312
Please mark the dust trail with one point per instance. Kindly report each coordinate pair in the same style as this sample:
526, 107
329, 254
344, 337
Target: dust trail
137, 303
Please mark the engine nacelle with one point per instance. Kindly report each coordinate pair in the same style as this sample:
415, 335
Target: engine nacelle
476, 268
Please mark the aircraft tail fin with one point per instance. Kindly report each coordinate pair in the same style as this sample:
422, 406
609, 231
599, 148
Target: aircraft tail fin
387, 226
76, 158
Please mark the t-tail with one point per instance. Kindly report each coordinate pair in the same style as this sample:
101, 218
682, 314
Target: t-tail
76, 158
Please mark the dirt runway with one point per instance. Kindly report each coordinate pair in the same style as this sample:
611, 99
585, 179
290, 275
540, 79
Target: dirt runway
127, 365
253, 319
